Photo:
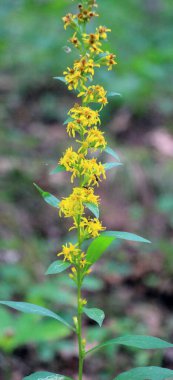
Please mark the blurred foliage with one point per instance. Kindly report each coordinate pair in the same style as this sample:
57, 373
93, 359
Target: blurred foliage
133, 283
32, 40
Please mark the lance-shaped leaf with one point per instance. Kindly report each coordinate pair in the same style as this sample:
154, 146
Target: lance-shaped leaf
58, 169
30, 308
68, 120
49, 198
93, 208
110, 94
110, 165
137, 341
112, 153
57, 266
46, 376
62, 79
97, 315
100, 56
149, 373
125, 236
97, 247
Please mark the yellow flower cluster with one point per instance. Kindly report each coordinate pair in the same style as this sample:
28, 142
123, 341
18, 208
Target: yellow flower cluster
69, 20
89, 171
84, 122
94, 139
84, 116
94, 94
74, 255
84, 15
77, 76
73, 206
89, 227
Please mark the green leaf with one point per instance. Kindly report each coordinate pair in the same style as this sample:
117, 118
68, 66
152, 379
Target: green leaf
97, 248
57, 266
58, 169
49, 198
110, 94
30, 308
101, 55
149, 373
112, 153
110, 165
68, 120
137, 341
125, 236
62, 79
28, 328
97, 315
46, 376
93, 208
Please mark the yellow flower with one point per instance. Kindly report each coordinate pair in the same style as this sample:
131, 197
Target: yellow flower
94, 94
109, 60
92, 42
73, 255
69, 20
72, 161
84, 116
73, 205
102, 31
75, 41
79, 166
72, 128
73, 78
85, 14
95, 227
70, 252
92, 171
77, 75
89, 227
94, 139
69, 159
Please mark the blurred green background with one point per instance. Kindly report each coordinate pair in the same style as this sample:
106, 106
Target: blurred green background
132, 283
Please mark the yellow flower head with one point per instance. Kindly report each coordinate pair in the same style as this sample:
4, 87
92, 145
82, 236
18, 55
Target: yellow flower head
92, 171
69, 251
94, 94
109, 60
79, 166
102, 31
75, 41
94, 139
69, 20
73, 205
77, 76
84, 116
85, 14
91, 227
72, 128
73, 255
70, 159
72, 162
92, 41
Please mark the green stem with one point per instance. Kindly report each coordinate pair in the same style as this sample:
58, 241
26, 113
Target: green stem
81, 356
79, 311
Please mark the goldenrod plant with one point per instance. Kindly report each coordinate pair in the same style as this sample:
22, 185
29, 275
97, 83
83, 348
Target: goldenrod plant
82, 205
